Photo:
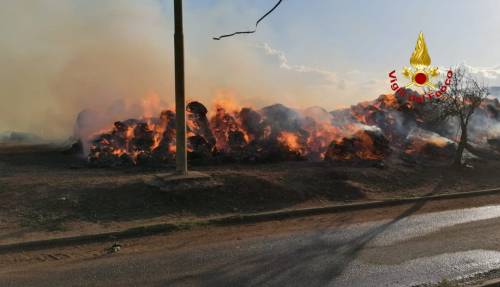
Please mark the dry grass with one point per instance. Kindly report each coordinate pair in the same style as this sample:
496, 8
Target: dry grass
42, 189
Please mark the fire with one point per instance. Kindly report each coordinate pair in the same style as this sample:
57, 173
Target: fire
290, 140
229, 132
172, 149
158, 134
150, 104
366, 143
238, 133
226, 99
388, 100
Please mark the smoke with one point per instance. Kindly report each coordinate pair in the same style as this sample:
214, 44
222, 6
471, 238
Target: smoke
105, 57
60, 57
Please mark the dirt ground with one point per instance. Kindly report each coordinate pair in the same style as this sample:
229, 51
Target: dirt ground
44, 192
206, 236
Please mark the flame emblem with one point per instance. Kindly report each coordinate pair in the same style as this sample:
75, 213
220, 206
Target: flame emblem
420, 72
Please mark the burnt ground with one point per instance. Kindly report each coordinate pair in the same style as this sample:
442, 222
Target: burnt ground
43, 190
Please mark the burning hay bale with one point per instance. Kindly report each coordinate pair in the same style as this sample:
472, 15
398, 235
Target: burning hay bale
244, 136
198, 123
250, 136
392, 113
201, 140
279, 133
318, 114
164, 138
361, 133
281, 118
230, 137
276, 133
134, 142
426, 145
366, 145
344, 117
253, 123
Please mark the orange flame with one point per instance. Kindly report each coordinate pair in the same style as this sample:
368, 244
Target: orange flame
290, 140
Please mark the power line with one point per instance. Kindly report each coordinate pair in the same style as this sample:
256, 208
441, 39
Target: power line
256, 24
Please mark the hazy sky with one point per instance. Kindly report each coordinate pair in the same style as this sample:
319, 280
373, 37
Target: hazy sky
370, 35
362, 40
59, 57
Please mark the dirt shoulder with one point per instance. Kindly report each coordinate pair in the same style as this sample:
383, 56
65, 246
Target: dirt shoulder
207, 236
46, 194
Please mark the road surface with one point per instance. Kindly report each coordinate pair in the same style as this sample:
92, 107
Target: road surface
405, 250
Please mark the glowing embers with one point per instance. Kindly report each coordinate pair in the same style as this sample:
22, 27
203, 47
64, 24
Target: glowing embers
231, 134
365, 144
134, 142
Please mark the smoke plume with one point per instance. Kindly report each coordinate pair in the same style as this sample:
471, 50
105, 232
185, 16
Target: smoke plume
113, 59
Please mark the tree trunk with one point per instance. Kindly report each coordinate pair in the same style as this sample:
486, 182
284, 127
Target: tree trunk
461, 146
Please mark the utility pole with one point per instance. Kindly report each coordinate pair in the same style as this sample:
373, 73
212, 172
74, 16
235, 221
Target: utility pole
180, 100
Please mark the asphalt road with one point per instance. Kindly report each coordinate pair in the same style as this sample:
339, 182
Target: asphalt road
406, 250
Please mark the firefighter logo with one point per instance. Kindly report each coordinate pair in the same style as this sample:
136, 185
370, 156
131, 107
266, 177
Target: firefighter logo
421, 75
421, 72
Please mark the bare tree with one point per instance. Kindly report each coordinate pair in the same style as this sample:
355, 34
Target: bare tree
463, 96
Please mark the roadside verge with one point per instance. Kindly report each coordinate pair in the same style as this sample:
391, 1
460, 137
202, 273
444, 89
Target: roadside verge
167, 228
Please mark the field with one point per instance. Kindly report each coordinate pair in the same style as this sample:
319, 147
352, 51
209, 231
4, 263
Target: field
45, 192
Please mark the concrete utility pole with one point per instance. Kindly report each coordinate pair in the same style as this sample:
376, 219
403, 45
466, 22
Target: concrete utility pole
180, 101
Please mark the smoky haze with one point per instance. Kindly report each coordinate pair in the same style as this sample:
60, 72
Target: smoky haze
114, 58
58, 57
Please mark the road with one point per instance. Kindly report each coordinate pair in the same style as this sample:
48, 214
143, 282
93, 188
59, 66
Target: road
404, 250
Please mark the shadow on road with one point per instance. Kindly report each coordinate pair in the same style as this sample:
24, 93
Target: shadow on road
317, 261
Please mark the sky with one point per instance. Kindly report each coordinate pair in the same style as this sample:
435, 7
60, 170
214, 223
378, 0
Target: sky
115, 57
